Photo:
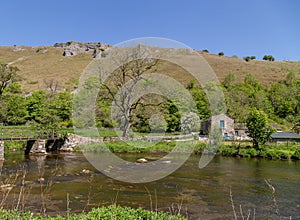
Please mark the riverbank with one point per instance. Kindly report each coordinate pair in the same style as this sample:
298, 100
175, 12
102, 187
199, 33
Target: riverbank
235, 149
106, 213
284, 151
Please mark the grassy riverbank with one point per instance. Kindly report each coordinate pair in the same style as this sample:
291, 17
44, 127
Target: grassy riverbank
268, 151
105, 213
284, 151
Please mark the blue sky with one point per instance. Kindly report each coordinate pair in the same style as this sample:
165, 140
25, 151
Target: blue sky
235, 27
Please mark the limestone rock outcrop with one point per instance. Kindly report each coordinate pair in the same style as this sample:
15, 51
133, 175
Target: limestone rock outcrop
73, 48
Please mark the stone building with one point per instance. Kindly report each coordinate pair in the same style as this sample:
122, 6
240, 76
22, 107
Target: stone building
225, 123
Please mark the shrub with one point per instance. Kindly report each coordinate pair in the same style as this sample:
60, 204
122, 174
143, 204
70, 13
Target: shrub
105, 213
226, 150
199, 147
221, 53
205, 51
248, 58
252, 152
104, 54
296, 155
268, 58
13, 145
284, 155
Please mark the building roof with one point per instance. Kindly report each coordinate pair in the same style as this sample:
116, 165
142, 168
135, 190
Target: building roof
220, 115
276, 126
285, 135
240, 126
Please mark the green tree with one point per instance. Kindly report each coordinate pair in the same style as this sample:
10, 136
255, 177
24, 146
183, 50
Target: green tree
15, 109
36, 105
221, 53
8, 75
62, 105
248, 58
284, 99
296, 125
258, 128
172, 117
268, 58
190, 123
200, 99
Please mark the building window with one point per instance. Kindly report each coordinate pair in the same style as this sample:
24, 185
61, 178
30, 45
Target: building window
236, 133
222, 124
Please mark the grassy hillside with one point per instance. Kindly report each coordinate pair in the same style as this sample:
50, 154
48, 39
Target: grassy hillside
39, 64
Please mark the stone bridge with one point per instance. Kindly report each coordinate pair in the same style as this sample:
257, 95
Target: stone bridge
38, 141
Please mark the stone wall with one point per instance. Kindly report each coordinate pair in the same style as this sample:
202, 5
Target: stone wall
38, 147
74, 140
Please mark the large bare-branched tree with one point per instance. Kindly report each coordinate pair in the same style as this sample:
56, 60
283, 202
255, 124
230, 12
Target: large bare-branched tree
119, 87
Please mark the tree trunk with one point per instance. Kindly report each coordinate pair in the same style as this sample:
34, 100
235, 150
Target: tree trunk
255, 144
126, 129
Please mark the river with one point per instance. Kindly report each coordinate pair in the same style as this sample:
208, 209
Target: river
55, 183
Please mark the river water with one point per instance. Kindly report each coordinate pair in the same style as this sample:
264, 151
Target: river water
56, 183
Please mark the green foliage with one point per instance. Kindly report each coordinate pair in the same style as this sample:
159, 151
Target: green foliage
285, 99
205, 51
15, 109
105, 213
228, 150
201, 101
248, 152
103, 114
13, 145
130, 147
248, 58
8, 74
104, 54
268, 58
221, 53
296, 155
290, 78
157, 123
251, 80
190, 123
296, 125
62, 105
258, 128
271, 151
172, 117
14, 88
229, 80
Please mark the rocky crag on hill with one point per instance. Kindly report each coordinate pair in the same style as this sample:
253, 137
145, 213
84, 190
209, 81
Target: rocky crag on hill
72, 48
